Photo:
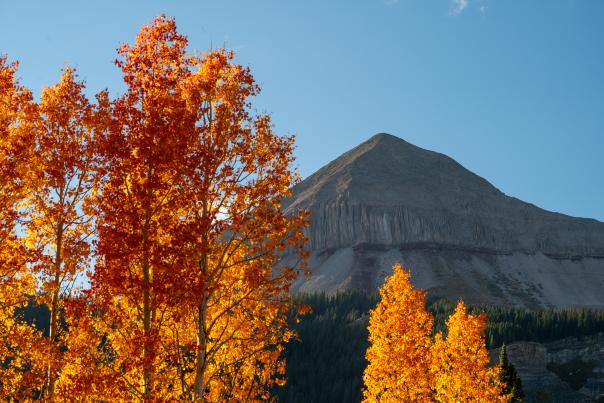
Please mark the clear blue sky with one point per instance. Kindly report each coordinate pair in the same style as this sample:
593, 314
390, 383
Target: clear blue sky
512, 89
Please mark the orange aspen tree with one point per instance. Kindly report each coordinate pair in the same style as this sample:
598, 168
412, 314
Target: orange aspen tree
19, 372
190, 233
138, 204
235, 298
460, 362
59, 225
400, 331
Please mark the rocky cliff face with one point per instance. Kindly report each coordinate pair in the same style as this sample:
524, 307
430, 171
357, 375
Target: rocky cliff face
567, 370
389, 201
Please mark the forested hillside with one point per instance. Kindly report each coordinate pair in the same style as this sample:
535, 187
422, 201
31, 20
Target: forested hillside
326, 361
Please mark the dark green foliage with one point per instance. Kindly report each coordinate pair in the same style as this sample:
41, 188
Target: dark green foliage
506, 324
35, 314
509, 377
326, 363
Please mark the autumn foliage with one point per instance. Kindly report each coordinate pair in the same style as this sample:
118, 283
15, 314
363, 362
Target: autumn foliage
400, 336
58, 223
17, 340
407, 364
150, 226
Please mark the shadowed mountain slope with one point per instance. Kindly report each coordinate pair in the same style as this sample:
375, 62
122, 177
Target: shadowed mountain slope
387, 200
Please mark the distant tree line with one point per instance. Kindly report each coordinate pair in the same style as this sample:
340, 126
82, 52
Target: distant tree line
326, 361
507, 324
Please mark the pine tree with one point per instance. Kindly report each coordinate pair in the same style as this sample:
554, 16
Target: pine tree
509, 378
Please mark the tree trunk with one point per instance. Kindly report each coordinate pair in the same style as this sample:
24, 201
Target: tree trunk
147, 347
201, 359
200, 364
147, 372
54, 314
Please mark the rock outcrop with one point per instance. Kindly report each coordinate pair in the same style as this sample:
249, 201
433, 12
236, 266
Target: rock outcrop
567, 370
389, 201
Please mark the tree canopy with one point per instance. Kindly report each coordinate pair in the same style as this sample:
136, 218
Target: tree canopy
406, 364
168, 198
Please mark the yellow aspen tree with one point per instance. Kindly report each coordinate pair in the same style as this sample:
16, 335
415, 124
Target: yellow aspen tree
406, 364
19, 373
236, 298
400, 331
59, 226
460, 361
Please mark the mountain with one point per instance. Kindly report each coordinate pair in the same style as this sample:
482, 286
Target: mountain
388, 201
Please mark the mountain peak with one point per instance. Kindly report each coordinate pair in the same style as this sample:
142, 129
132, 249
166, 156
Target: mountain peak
389, 171
384, 137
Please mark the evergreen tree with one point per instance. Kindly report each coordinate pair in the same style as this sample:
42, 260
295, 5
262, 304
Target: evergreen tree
509, 377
